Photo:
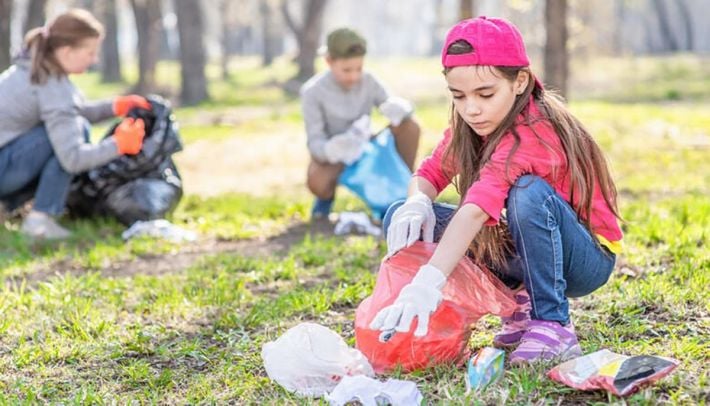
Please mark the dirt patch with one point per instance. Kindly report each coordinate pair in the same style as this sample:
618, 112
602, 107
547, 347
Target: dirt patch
267, 164
189, 254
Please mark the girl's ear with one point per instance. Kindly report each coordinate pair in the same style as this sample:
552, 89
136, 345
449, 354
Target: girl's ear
521, 82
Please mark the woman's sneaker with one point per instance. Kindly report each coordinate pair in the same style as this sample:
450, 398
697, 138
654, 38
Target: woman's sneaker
514, 326
545, 341
42, 225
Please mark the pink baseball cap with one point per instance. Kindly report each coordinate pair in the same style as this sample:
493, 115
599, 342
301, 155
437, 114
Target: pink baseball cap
495, 42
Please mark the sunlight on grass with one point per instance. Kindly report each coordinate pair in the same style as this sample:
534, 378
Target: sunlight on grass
96, 320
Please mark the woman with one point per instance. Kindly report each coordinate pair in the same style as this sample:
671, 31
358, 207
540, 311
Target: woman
44, 134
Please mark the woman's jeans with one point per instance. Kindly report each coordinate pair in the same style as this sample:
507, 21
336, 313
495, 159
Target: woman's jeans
28, 168
556, 255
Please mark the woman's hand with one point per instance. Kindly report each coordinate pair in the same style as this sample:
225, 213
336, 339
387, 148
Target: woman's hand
419, 299
129, 136
123, 104
411, 220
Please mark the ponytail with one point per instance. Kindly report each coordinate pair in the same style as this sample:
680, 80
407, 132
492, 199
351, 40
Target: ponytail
68, 29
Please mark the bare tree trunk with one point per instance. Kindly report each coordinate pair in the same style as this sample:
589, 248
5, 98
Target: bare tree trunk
5, 14
267, 23
670, 42
110, 58
192, 52
619, 16
687, 24
306, 36
148, 25
466, 9
225, 40
35, 15
556, 55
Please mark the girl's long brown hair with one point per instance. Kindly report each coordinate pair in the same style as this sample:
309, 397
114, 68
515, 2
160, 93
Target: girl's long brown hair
469, 152
68, 29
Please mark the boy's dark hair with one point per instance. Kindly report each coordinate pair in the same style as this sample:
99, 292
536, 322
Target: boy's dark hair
345, 43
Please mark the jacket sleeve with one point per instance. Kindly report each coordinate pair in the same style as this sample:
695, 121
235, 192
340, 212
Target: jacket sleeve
433, 167
65, 126
96, 111
314, 120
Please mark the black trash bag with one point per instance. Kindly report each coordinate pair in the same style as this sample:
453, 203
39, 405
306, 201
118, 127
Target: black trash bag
145, 186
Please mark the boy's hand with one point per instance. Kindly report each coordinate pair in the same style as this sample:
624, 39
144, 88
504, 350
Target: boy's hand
361, 127
396, 109
344, 148
349, 146
419, 299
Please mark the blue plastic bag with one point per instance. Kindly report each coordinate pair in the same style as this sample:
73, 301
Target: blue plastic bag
380, 177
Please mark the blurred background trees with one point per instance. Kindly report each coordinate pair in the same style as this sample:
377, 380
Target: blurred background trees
194, 34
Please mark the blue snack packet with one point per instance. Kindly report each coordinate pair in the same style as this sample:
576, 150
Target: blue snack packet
484, 368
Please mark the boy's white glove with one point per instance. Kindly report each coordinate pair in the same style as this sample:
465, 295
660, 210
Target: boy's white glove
349, 146
361, 127
420, 298
396, 109
412, 219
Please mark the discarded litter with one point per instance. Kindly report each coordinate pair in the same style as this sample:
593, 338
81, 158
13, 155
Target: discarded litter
371, 392
619, 374
159, 229
484, 368
311, 359
355, 222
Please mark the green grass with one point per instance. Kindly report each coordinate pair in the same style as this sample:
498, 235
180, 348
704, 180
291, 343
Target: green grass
94, 320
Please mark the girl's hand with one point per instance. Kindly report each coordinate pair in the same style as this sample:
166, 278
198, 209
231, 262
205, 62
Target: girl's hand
415, 216
418, 299
123, 104
129, 136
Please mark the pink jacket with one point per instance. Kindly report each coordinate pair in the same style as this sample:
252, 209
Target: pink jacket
547, 161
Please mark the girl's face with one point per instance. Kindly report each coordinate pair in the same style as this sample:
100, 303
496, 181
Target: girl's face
483, 96
79, 59
347, 72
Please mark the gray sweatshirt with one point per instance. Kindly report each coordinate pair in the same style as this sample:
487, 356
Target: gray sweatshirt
58, 105
329, 110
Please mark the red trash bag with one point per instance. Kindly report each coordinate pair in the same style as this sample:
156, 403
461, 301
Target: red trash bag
470, 293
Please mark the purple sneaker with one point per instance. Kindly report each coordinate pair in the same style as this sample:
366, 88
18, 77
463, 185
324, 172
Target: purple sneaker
514, 326
546, 340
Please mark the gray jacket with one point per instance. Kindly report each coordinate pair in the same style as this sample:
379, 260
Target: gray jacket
58, 105
329, 110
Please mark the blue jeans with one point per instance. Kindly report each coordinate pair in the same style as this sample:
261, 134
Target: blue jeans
556, 257
28, 168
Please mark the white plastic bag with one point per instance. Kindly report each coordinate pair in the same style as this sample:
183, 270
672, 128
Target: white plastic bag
310, 359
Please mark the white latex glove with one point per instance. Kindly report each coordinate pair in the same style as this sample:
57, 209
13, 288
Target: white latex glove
361, 127
346, 148
418, 299
396, 109
412, 219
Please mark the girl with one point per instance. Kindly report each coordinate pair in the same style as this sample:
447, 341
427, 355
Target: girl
44, 137
511, 145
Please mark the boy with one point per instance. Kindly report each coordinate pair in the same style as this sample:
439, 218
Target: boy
336, 109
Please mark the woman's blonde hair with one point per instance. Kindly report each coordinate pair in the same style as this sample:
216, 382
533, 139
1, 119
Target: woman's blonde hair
68, 29
469, 153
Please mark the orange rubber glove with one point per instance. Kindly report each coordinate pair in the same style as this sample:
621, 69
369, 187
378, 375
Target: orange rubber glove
129, 136
122, 104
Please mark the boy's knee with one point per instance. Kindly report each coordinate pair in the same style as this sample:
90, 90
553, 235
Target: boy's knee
409, 127
323, 187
